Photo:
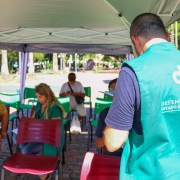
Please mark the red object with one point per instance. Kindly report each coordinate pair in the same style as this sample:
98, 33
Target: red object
32, 111
100, 167
35, 130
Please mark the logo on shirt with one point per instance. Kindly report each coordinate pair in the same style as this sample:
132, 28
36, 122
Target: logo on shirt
176, 75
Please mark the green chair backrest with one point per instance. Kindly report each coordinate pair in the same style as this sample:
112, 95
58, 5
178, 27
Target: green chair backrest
29, 93
87, 91
12, 99
107, 97
65, 102
100, 105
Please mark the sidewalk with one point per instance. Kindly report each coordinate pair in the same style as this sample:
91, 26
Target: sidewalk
76, 149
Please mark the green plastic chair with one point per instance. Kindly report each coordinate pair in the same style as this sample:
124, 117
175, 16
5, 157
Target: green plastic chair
29, 93
99, 106
107, 97
88, 94
65, 102
13, 100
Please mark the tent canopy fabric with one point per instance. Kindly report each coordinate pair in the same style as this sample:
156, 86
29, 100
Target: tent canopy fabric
81, 26
168, 10
69, 48
62, 22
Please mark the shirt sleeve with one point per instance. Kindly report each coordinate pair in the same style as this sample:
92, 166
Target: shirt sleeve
122, 110
101, 123
62, 89
81, 88
56, 112
3, 109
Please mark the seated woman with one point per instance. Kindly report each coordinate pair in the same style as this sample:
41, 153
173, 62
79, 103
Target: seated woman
4, 120
47, 108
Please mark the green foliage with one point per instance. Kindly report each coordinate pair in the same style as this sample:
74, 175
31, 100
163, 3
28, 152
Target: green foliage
178, 26
99, 68
38, 57
48, 57
12, 58
178, 35
49, 65
113, 58
90, 56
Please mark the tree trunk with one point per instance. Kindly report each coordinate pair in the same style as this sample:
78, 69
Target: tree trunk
4, 65
55, 62
64, 62
31, 64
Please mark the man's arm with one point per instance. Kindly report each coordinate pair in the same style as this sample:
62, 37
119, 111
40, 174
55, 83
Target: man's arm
114, 138
121, 114
78, 94
65, 94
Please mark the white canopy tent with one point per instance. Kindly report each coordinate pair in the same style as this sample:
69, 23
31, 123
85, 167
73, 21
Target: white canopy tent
75, 26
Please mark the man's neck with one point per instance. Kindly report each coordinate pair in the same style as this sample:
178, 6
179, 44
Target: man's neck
153, 41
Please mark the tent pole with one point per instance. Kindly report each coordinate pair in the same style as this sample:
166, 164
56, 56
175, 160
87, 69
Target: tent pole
61, 67
20, 63
24, 62
75, 62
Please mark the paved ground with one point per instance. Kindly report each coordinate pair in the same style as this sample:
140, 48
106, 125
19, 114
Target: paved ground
76, 149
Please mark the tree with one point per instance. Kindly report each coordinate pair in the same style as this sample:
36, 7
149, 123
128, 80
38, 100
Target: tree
31, 63
111, 58
38, 57
13, 58
4, 65
55, 62
178, 26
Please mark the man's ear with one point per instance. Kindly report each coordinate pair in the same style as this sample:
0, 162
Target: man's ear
135, 40
137, 45
168, 36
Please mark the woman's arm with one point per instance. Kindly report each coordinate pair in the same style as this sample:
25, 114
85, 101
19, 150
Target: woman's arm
4, 125
56, 113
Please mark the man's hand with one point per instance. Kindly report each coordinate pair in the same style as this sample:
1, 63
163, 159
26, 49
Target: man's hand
68, 93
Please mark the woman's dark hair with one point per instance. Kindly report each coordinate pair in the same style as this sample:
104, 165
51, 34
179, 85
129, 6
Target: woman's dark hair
111, 82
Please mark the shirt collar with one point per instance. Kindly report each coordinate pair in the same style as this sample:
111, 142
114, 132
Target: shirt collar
153, 41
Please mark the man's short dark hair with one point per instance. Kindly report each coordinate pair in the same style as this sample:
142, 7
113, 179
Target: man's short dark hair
148, 26
111, 82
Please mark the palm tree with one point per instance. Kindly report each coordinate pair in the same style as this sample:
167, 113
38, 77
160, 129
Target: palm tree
55, 62
4, 65
31, 64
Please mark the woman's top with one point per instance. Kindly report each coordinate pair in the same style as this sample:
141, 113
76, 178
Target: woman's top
54, 112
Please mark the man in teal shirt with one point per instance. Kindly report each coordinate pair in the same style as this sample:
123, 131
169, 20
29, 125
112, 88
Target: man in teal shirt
152, 149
